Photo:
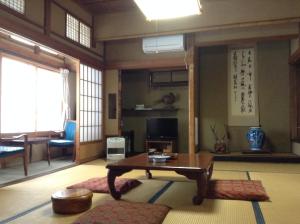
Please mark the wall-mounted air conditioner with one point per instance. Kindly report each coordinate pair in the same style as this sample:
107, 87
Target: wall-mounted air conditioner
173, 43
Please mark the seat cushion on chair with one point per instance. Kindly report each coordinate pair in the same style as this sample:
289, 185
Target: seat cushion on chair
10, 150
122, 212
61, 143
99, 184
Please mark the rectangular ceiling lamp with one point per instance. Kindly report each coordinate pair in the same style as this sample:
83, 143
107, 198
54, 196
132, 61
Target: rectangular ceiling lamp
168, 9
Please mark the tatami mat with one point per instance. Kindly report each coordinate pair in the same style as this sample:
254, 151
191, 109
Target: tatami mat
37, 191
283, 190
281, 181
258, 167
45, 214
179, 197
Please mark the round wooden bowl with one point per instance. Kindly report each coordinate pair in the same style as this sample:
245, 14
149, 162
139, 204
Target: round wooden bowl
71, 201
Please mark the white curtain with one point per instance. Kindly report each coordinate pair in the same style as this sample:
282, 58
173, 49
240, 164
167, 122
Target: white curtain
66, 113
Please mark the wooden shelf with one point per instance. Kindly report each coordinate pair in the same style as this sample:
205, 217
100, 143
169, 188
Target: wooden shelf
161, 145
129, 112
159, 109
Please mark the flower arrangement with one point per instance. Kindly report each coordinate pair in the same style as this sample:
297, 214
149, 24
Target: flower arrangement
220, 143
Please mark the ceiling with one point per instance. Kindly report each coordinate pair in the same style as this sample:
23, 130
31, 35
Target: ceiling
107, 6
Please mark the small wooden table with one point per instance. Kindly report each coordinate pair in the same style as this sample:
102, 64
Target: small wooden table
32, 141
71, 201
195, 167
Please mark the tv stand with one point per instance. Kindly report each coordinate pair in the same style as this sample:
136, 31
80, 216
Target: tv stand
163, 145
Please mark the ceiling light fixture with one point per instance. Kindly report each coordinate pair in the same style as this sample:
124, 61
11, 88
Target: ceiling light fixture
48, 50
22, 40
168, 9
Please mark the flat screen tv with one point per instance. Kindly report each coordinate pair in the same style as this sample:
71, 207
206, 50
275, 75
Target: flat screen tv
162, 128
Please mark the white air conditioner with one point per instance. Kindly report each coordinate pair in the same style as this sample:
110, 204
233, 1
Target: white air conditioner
172, 43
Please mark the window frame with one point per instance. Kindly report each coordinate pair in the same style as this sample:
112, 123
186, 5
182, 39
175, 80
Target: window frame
79, 35
34, 63
12, 10
101, 110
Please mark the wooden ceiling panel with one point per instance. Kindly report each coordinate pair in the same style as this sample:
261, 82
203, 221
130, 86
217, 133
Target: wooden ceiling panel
107, 6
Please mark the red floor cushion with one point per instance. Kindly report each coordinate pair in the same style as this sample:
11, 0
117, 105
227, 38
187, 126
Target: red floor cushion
250, 190
99, 184
122, 212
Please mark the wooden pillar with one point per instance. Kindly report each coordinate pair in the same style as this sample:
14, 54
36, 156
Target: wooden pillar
192, 83
77, 138
47, 17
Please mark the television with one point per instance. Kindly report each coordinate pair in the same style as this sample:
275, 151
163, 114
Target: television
162, 128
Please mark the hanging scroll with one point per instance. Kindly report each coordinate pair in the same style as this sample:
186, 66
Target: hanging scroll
242, 87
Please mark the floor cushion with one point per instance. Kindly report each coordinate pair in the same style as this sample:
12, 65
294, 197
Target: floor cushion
250, 190
122, 212
99, 185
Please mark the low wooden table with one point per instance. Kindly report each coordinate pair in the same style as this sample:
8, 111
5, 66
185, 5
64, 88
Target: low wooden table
195, 167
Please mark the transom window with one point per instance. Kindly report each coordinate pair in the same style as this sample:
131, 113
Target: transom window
17, 5
90, 104
28, 100
78, 31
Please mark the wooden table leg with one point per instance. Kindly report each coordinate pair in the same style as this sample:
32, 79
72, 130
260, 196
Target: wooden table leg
201, 179
202, 182
148, 174
111, 176
30, 153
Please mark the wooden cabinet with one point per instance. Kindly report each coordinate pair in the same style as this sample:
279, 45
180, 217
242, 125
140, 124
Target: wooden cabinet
161, 145
168, 78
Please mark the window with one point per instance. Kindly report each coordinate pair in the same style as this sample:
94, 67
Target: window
28, 100
90, 104
17, 5
78, 31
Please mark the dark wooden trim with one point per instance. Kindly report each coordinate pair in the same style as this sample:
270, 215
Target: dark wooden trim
77, 134
23, 17
26, 55
71, 13
91, 142
47, 17
104, 105
119, 102
246, 24
20, 29
293, 102
146, 64
246, 40
89, 159
93, 42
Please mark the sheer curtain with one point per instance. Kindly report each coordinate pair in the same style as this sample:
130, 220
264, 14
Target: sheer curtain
32, 98
66, 113
18, 82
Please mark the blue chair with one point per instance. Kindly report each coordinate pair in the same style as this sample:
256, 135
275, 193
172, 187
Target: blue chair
67, 139
14, 147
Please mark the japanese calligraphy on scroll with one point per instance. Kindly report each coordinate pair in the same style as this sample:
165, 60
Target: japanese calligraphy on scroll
242, 82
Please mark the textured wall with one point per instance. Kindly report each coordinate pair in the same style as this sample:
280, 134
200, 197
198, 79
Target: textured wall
273, 94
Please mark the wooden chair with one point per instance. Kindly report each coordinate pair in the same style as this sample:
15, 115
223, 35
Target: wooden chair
14, 147
67, 139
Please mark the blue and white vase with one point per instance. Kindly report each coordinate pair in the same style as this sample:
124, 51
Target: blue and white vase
255, 137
